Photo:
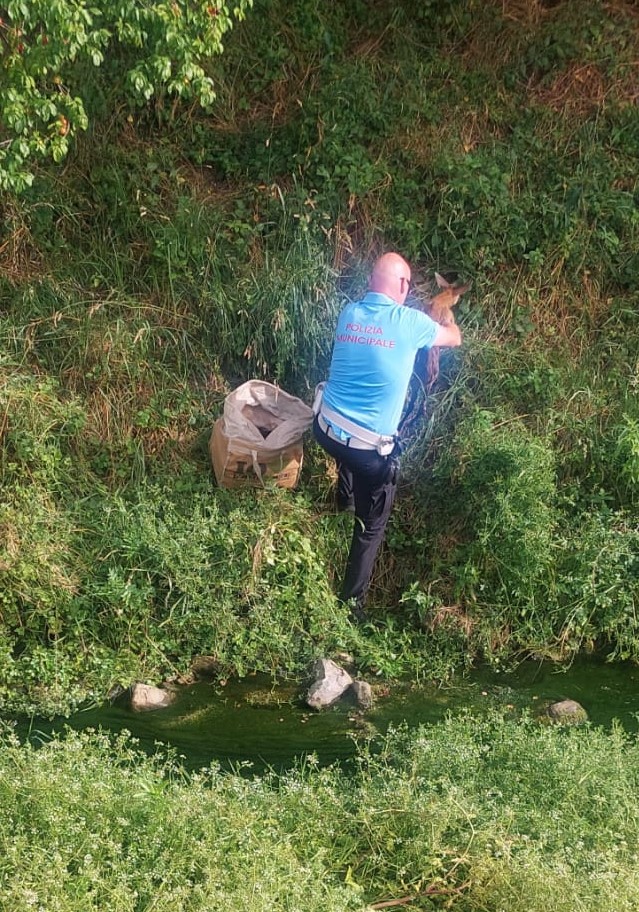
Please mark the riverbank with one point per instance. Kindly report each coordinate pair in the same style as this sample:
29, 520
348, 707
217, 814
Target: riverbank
170, 258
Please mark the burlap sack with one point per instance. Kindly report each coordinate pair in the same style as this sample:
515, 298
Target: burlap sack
259, 437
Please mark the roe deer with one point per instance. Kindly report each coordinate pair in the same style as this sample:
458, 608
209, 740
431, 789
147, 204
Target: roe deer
426, 369
440, 308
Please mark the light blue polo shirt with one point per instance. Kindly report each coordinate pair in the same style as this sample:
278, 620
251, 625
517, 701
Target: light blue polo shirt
373, 357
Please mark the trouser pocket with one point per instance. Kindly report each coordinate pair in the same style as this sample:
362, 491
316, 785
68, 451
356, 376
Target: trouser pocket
392, 471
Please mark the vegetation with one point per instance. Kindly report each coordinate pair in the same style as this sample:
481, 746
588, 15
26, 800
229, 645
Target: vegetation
157, 247
52, 50
465, 815
178, 250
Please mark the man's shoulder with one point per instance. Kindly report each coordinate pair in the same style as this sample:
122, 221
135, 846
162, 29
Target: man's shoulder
377, 307
419, 326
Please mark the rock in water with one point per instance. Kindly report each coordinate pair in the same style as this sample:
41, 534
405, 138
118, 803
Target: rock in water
330, 683
145, 698
567, 712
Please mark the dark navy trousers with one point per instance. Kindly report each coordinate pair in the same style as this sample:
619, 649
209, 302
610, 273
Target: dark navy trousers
368, 481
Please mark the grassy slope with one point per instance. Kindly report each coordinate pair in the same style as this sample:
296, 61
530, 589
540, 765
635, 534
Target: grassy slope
177, 254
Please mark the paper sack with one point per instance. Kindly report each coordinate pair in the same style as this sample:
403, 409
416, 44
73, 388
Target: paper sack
259, 437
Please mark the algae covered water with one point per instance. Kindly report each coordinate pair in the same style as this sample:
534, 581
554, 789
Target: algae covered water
256, 724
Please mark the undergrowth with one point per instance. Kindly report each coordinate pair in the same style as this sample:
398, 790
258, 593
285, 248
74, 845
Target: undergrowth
178, 253
469, 815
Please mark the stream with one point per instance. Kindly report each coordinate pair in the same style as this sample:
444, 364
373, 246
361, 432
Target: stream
255, 724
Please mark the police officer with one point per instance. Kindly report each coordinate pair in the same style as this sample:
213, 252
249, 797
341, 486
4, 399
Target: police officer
376, 341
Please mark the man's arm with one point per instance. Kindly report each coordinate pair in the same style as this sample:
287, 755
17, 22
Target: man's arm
448, 336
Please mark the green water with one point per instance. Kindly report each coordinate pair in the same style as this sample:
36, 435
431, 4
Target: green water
261, 724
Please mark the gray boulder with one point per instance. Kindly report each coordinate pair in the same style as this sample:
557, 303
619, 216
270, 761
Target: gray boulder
567, 712
330, 682
145, 698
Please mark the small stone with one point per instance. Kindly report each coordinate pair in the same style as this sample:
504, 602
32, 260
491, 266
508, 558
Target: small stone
363, 693
567, 712
145, 698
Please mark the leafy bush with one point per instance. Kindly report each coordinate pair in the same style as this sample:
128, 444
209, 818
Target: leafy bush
597, 577
627, 457
53, 50
502, 479
114, 586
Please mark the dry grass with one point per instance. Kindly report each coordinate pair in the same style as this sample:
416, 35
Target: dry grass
563, 316
275, 104
526, 12
450, 617
583, 88
566, 319
20, 259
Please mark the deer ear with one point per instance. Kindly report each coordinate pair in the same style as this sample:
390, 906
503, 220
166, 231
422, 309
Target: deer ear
458, 291
441, 281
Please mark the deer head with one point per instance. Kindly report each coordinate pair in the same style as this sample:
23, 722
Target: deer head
440, 308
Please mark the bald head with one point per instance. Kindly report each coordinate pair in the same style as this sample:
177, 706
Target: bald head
391, 276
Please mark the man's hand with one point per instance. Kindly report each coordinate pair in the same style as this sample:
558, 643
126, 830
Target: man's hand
448, 336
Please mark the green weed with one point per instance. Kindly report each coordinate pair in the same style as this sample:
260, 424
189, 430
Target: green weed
479, 814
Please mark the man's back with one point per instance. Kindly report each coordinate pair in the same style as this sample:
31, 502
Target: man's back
375, 346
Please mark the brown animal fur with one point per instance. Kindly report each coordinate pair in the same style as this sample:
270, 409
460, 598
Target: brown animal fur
440, 308
426, 369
